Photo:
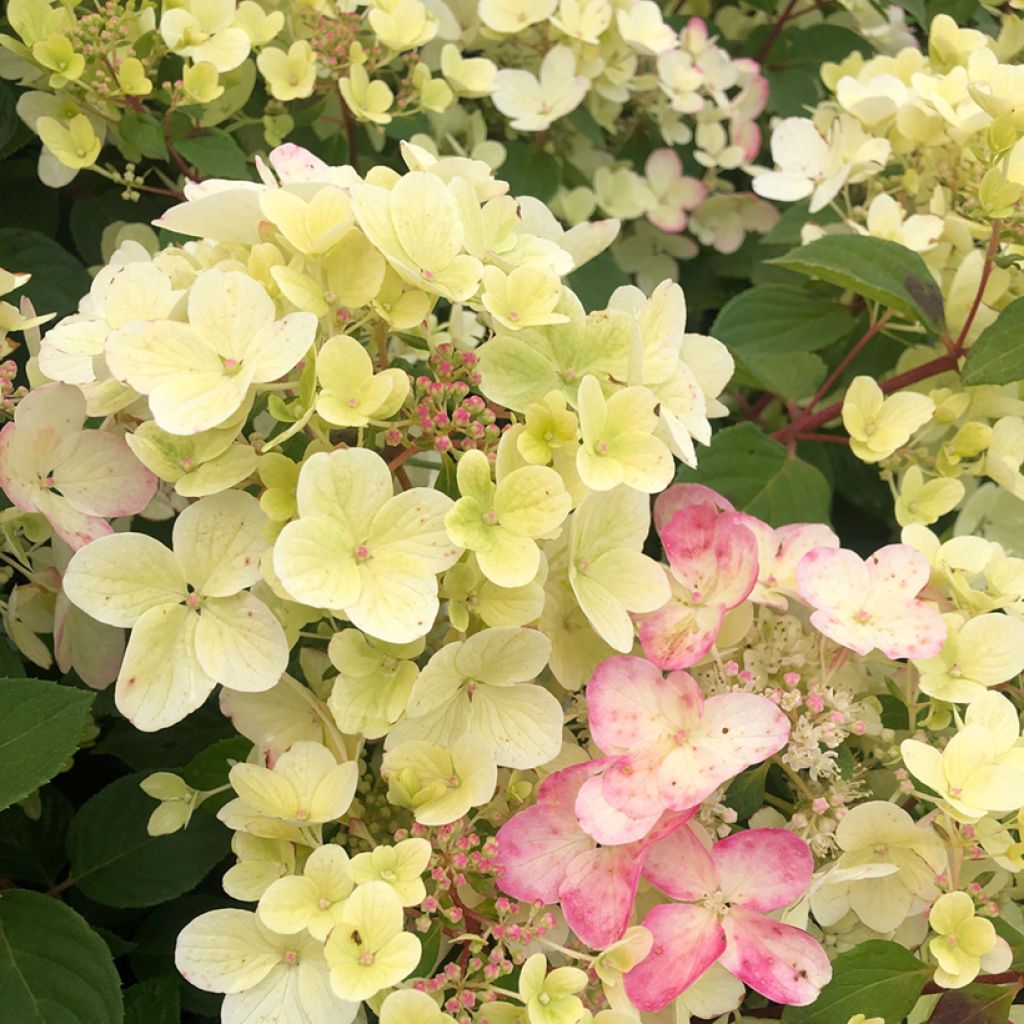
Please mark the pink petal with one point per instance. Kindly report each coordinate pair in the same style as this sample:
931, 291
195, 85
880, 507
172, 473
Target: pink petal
536, 845
687, 940
916, 631
630, 785
736, 563
781, 962
678, 636
680, 496
99, 475
844, 630
598, 892
795, 540
763, 868
632, 704
898, 572
737, 730
747, 136
833, 579
606, 823
689, 542
680, 866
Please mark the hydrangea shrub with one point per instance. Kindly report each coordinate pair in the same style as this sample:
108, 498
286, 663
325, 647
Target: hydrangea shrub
512, 512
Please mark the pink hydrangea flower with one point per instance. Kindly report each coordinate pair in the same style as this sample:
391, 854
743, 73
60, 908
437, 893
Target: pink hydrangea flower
76, 478
779, 551
544, 855
725, 894
713, 565
670, 748
874, 603
679, 496
676, 193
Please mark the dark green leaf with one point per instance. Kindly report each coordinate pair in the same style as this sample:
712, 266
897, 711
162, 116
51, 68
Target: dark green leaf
58, 279
774, 319
794, 375
430, 944
8, 116
145, 133
819, 43
39, 730
875, 268
745, 794
54, 969
91, 215
154, 1001
214, 153
25, 201
153, 956
530, 171
759, 476
877, 979
32, 849
975, 1004
594, 282
793, 90
116, 862
209, 769
997, 357
169, 748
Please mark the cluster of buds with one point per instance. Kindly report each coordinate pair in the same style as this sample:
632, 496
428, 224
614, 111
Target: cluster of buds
331, 39
441, 414
9, 394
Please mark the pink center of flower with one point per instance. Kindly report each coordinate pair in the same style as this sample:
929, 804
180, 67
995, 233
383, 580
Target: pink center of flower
513, 315
955, 790
323, 903
362, 552
352, 402
301, 814
366, 959
696, 596
48, 481
491, 518
291, 957
428, 274
193, 600
680, 737
601, 448
232, 365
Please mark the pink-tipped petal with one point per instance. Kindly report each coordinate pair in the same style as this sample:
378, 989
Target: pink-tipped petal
679, 496
630, 784
598, 892
678, 636
680, 866
606, 823
763, 868
833, 580
781, 962
898, 572
687, 940
917, 630
632, 704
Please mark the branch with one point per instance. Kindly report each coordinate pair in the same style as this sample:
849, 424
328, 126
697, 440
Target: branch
986, 271
772, 37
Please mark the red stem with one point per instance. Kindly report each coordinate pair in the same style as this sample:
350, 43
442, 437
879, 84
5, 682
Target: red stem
772, 37
847, 359
986, 271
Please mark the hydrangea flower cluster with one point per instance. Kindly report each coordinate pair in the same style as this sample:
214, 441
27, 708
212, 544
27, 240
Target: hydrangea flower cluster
546, 711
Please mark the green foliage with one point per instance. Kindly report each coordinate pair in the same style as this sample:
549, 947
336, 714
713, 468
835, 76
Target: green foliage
40, 729
876, 978
114, 861
759, 476
214, 153
774, 331
877, 269
58, 279
54, 969
997, 357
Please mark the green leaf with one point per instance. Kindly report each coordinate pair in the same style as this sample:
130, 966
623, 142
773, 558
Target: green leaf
430, 945
792, 90
997, 357
530, 171
759, 476
91, 215
594, 282
745, 794
774, 319
209, 769
144, 132
876, 978
39, 730
975, 1004
214, 153
154, 1001
54, 969
816, 44
32, 849
792, 375
58, 279
8, 116
114, 860
875, 268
